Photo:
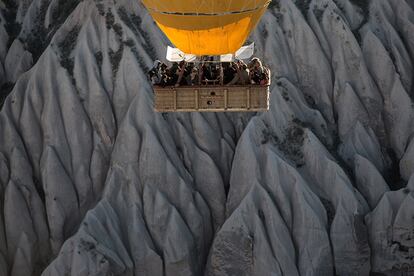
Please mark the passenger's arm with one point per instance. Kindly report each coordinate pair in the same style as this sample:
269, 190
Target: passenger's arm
180, 76
234, 80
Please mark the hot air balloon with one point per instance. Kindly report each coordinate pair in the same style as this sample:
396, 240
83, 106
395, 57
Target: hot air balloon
200, 28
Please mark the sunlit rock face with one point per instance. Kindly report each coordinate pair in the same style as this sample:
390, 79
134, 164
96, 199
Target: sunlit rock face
94, 182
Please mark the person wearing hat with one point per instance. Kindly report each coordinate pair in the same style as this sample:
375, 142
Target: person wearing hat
256, 70
193, 78
242, 77
164, 75
154, 74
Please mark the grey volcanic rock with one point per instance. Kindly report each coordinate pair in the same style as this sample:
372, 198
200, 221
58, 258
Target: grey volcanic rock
93, 181
282, 206
407, 162
4, 39
397, 104
17, 61
390, 228
369, 181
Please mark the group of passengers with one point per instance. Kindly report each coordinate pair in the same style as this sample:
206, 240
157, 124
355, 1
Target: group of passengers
208, 73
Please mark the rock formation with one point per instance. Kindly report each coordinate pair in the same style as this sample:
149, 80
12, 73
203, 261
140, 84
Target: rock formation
94, 182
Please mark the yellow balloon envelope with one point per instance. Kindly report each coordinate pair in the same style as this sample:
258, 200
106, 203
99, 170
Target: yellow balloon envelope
207, 27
